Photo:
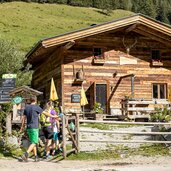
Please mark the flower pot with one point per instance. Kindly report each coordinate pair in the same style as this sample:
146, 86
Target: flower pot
98, 116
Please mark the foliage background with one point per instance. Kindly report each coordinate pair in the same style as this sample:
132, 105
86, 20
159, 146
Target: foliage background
158, 9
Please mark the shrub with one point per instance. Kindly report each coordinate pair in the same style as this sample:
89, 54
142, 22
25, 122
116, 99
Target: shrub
97, 108
161, 115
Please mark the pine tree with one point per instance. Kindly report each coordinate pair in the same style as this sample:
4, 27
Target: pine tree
145, 7
163, 11
105, 5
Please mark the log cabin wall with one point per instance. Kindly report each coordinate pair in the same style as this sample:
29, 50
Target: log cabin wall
41, 78
117, 65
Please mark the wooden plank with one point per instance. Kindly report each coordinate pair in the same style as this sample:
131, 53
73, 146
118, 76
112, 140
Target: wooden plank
64, 136
126, 141
146, 102
72, 137
125, 123
125, 132
78, 132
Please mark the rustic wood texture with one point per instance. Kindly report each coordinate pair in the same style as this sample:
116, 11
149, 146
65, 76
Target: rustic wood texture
63, 62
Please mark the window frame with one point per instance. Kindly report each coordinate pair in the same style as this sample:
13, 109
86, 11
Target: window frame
159, 54
101, 56
158, 91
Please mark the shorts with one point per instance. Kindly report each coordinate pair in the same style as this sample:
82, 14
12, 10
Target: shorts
33, 135
48, 132
60, 135
55, 136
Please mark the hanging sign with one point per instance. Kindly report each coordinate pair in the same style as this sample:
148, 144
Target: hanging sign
75, 98
17, 100
9, 76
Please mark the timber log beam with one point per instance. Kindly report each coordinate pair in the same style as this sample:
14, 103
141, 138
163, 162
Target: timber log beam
131, 28
68, 45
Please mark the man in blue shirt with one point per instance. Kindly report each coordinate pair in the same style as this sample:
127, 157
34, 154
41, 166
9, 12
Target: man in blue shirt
31, 115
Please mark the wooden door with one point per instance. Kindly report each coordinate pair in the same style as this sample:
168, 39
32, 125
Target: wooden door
101, 95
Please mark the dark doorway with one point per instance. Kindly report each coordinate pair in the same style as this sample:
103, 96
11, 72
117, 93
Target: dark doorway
101, 95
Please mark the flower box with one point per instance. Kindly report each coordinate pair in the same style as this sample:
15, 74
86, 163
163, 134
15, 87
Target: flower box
98, 60
157, 63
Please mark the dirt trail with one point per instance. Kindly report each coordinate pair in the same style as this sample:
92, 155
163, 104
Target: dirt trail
129, 164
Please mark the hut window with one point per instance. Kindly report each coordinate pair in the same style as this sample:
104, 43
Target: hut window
98, 53
159, 91
155, 55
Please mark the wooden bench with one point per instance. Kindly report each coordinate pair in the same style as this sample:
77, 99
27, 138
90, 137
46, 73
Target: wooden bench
137, 109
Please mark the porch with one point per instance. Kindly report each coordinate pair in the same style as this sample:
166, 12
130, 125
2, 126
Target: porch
141, 109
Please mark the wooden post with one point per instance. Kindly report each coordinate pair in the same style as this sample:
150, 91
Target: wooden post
77, 132
132, 85
64, 136
8, 123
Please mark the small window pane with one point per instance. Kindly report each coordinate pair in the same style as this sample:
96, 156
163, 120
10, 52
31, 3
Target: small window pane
97, 52
155, 92
162, 91
155, 55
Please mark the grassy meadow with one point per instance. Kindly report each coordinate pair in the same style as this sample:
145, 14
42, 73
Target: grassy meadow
27, 23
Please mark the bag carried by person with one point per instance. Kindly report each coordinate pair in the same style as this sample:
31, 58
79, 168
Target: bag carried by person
42, 119
72, 126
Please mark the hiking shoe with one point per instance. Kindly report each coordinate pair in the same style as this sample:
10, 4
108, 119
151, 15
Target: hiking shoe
37, 159
49, 157
60, 150
24, 158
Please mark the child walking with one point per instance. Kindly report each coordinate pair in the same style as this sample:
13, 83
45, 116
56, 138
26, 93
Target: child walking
56, 129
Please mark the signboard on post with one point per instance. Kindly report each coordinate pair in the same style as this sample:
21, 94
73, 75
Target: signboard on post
8, 83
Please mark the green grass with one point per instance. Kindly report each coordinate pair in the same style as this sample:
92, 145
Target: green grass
27, 23
11, 151
106, 126
118, 151
97, 125
99, 155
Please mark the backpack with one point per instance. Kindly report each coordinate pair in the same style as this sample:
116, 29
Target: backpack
72, 126
42, 119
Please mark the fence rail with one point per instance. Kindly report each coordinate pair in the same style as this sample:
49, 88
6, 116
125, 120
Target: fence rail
127, 123
127, 132
126, 141
75, 137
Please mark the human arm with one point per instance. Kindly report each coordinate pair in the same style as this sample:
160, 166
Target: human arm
46, 113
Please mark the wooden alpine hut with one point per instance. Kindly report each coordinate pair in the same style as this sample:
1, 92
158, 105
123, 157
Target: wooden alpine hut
129, 58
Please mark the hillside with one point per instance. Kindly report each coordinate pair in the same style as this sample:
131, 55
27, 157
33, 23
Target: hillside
27, 23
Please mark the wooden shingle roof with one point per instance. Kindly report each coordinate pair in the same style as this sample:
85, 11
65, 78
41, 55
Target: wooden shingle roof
139, 23
24, 89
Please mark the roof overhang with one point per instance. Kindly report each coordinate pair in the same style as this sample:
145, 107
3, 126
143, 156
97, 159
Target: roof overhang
24, 90
138, 23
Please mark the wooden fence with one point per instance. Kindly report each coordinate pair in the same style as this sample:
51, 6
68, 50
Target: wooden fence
76, 139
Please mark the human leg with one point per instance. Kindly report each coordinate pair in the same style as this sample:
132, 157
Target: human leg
55, 142
33, 137
48, 132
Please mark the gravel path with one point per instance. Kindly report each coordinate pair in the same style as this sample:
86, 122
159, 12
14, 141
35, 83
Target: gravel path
89, 146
